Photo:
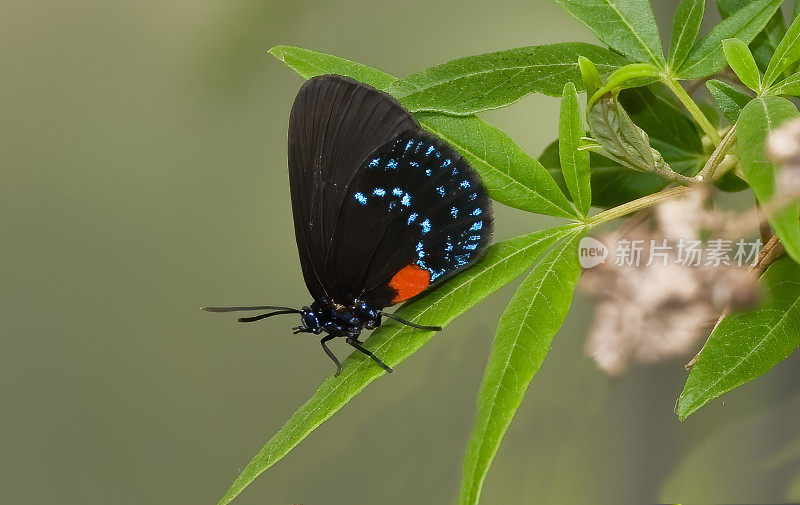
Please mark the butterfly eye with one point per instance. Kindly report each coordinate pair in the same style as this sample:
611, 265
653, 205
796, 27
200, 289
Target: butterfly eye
310, 321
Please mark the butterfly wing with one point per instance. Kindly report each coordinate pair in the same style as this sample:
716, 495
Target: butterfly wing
334, 125
382, 209
414, 214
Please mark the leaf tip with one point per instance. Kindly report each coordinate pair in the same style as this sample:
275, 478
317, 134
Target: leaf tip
589, 74
687, 404
277, 51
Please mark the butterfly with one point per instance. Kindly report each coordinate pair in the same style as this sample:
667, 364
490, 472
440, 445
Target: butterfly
383, 210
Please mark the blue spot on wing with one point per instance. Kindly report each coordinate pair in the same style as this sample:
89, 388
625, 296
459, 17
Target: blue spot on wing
426, 226
401, 182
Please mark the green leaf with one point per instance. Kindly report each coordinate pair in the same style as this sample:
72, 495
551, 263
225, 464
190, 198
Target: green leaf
626, 25
731, 99
309, 64
706, 57
728, 7
574, 161
745, 345
787, 53
788, 86
731, 183
766, 43
590, 75
672, 132
642, 73
612, 128
655, 110
488, 81
524, 334
394, 342
742, 62
510, 175
685, 27
710, 112
757, 119
612, 183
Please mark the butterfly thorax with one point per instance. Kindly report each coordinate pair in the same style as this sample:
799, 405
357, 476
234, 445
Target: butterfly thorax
340, 320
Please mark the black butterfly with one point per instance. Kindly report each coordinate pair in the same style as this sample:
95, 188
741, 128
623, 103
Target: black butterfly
382, 209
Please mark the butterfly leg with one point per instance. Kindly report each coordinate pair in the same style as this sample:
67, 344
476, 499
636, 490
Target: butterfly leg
330, 353
409, 323
355, 343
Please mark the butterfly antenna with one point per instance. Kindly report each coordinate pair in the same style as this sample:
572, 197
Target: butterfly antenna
409, 323
264, 316
238, 309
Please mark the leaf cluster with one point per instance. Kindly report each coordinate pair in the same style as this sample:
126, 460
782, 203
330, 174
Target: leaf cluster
637, 132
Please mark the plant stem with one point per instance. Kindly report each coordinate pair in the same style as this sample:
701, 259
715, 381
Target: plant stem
662, 168
727, 164
667, 173
635, 205
692, 107
723, 145
707, 173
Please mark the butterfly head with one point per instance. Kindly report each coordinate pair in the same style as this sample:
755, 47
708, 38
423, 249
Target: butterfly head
310, 321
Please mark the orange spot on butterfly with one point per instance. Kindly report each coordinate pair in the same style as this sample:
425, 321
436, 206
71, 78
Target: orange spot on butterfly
410, 281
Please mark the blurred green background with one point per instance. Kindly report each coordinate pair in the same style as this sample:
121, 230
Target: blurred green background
144, 175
